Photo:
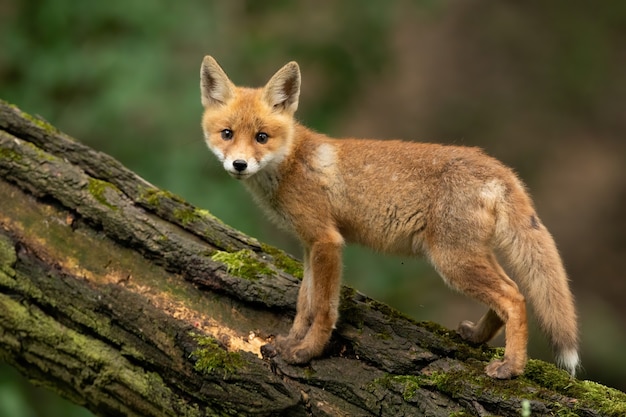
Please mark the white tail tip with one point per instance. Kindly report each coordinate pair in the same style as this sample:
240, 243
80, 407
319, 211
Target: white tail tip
569, 360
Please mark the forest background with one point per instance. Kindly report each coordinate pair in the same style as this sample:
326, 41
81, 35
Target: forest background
539, 85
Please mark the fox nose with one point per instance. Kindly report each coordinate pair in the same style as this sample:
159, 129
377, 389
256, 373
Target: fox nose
240, 165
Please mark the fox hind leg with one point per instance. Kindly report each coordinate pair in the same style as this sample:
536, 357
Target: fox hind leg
483, 331
489, 325
479, 276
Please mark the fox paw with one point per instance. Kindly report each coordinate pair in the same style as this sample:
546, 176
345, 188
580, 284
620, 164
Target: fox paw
502, 369
297, 355
467, 331
298, 352
268, 351
292, 351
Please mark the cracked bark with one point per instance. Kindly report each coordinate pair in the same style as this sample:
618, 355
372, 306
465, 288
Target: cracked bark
106, 281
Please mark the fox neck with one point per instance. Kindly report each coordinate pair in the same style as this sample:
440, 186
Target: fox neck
264, 184
264, 189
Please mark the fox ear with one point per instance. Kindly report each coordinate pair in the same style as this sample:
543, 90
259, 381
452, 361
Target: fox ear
282, 91
215, 86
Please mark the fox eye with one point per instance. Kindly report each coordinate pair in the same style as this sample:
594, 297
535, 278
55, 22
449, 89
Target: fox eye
261, 137
227, 134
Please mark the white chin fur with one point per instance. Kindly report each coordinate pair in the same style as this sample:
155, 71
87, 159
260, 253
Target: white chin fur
569, 360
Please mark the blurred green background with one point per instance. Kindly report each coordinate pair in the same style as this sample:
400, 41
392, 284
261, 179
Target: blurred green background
539, 85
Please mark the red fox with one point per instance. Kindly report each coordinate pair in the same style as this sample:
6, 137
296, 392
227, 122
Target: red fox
461, 209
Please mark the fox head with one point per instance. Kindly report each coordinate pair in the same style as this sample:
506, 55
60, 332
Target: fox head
248, 129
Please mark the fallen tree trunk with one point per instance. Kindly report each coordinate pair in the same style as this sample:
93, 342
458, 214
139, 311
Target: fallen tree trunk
128, 300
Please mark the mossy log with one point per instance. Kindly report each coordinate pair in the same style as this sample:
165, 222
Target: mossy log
128, 300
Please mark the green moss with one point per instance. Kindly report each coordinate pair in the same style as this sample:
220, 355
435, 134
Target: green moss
211, 357
10, 154
441, 380
244, 264
188, 214
609, 401
97, 189
39, 122
41, 154
184, 215
496, 352
150, 197
433, 327
538, 383
407, 385
309, 372
410, 383
153, 196
8, 256
547, 375
473, 380
284, 261
205, 214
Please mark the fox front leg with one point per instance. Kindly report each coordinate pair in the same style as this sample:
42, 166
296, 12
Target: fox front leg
318, 303
304, 312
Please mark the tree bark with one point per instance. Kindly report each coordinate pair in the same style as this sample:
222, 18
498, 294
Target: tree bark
128, 300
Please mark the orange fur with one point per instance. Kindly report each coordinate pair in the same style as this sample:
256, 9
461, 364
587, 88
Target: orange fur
454, 205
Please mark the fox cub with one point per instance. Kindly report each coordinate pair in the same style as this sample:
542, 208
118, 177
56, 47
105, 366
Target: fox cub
454, 205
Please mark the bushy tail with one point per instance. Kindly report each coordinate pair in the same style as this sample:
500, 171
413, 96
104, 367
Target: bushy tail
531, 254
